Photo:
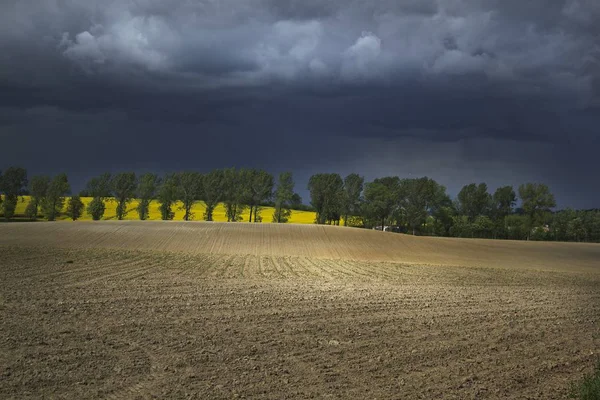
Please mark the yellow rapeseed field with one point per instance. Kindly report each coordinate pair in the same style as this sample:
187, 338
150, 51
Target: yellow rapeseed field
297, 217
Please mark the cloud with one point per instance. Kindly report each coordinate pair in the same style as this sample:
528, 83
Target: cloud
136, 41
456, 86
360, 59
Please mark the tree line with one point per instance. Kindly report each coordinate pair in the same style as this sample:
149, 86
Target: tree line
421, 206
418, 206
238, 189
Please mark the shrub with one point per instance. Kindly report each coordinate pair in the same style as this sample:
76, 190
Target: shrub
96, 208
589, 387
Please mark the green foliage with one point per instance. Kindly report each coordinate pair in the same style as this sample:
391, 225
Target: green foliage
31, 211
443, 219
213, 190
516, 226
167, 196
75, 208
461, 227
234, 193
257, 188
55, 196
327, 197
99, 186
416, 205
8, 207
420, 198
503, 201
575, 226
123, 187
382, 199
189, 189
38, 187
284, 198
146, 191
96, 208
537, 201
12, 184
352, 201
589, 387
474, 200
483, 227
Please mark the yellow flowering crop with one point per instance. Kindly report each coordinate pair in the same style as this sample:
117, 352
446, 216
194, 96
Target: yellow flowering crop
297, 217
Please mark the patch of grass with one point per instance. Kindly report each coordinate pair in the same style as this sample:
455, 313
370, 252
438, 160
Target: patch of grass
589, 387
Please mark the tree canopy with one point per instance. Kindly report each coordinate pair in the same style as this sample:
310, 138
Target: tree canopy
55, 196
416, 205
327, 197
284, 198
123, 187
13, 185
146, 192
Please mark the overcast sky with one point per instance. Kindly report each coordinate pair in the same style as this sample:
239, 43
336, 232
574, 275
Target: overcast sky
496, 91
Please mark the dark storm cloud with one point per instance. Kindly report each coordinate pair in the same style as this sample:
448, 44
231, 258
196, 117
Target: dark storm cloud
489, 90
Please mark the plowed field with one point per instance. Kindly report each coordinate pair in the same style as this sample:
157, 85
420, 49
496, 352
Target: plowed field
198, 310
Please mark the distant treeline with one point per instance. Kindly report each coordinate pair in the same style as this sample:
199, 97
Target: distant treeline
418, 206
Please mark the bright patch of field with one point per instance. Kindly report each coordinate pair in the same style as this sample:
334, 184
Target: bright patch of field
297, 217
172, 310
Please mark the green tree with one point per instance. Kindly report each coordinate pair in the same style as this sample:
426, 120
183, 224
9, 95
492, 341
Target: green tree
14, 182
503, 203
327, 197
462, 227
560, 224
234, 193
37, 190
382, 198
99, 188
189, 190
55, 196
123, 186
258, 189
212, 192
537, 202
474, 200
146, 191
591, 221
167, 196
96, 208
284, 198
483, 227
576, 229
75, 208
517, 227
353, 188
420, 198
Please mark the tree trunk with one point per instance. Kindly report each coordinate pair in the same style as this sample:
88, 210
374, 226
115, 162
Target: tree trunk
383, 224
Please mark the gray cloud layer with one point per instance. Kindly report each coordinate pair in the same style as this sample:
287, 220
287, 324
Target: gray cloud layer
495, 90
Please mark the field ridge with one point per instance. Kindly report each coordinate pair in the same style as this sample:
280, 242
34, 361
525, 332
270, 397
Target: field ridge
311, 241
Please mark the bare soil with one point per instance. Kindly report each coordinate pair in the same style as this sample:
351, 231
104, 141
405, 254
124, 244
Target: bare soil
314, 241
135, 324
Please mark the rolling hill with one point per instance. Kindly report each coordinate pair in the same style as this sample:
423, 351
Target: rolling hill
315, 241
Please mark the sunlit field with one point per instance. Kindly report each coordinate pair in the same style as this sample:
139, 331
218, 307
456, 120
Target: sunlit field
176, 310
297, 217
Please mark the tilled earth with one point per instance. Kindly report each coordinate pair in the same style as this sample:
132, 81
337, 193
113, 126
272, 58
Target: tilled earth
140, 324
